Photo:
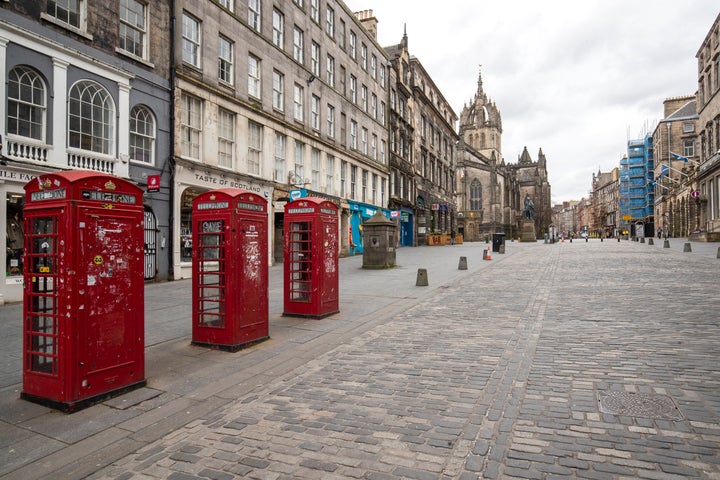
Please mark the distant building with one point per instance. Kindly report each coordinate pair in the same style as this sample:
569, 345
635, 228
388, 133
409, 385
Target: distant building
488, 193
637, 194
708, 107
422, 150
605, 203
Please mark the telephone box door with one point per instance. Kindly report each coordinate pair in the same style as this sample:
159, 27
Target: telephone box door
230, 269
44, 335
112, 340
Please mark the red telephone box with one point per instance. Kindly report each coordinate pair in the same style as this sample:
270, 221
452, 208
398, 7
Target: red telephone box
230, 269
311, 258
84, 297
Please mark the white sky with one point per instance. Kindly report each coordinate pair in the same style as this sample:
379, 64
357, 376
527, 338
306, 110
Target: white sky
577, 78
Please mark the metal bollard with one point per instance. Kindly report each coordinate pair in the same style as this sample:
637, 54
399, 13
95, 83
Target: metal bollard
718, 254
650, 241
463, 263
666, 244
422, 278
687, 247
642, 239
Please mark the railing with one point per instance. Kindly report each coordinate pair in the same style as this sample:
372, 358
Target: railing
23, 149
86, 160
26, 149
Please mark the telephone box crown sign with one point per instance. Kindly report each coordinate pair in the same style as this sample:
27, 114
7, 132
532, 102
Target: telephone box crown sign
109, 185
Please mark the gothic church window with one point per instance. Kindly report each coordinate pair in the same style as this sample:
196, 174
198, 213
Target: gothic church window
475, 195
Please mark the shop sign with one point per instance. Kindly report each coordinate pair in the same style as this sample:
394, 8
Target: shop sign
153, 183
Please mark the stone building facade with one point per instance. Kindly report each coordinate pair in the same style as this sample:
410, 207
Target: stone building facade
285, 99
422, 150
532, 179
708, 108
86, 86
605, 203
488, 193
676, 159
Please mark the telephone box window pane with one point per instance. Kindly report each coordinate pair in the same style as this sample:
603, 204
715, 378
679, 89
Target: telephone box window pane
300, 261
41, 315
211, 271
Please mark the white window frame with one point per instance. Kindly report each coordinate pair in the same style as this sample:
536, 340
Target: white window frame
95, 133
298, 45
353, 45
280, 156
142, 130
298, 102
255, 144
254, 77
255, 14
191, 126
330, 70
278, 98
226, 138
133, 21
330, 22
226, 72
353, 134
278, 28
27, 112
330, 121
315, 11
315, 53
191, 40
315, 112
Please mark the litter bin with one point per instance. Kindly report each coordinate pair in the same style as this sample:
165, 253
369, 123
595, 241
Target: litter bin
497, 240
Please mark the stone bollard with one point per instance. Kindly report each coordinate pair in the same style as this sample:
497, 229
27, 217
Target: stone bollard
687, 247
650, 241
422, 278
718, 254
666, 244
501, 248
642, 239
462, 265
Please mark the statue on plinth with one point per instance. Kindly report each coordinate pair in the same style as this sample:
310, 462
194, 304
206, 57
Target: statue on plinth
529, 210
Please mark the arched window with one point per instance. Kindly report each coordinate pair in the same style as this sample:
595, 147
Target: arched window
26, 103
142, 135
90, 118
475, 195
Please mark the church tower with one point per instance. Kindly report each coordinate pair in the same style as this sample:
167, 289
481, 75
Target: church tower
481, 124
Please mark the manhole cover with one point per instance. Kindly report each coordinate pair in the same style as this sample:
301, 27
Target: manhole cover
659, 407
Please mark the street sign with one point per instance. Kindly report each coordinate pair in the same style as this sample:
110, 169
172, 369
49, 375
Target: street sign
695, 193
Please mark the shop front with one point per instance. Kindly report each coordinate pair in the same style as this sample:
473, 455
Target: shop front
12, 180
192, 179
406, 231
359, 213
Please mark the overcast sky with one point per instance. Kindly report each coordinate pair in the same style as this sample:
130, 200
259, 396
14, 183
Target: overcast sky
577, 78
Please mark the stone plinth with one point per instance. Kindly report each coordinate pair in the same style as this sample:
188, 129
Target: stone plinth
527, 231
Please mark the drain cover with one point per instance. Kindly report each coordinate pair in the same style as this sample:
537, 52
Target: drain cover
660, 407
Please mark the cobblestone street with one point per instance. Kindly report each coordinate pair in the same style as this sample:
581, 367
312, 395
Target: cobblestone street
575, 360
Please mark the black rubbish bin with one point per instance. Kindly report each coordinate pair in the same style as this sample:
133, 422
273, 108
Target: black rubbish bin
497, 240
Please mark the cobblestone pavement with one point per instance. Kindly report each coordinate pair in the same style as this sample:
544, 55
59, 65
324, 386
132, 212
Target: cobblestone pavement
575, 360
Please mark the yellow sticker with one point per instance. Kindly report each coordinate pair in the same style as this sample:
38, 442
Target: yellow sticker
44, 269
98, 260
